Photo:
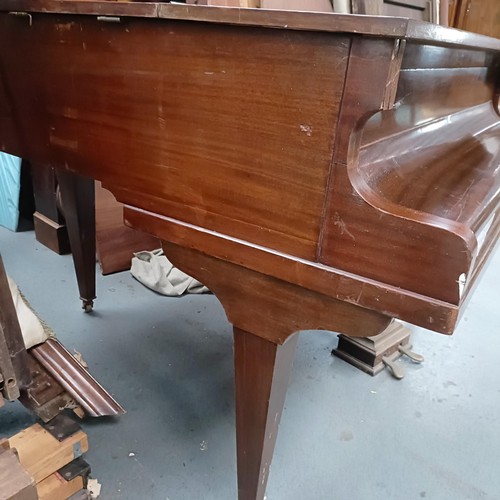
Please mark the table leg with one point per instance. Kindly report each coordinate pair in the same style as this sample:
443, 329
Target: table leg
78, 206
262, 371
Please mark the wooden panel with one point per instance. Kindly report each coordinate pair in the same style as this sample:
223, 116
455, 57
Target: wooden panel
268, 306
437, 81
422, 56
441, 168
115, 242
458, 88
452, 11
215, 143
479, 16
434, 82
394, 301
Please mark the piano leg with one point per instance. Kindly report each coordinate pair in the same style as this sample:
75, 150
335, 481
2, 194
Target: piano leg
78, 206
262, 371
266, 313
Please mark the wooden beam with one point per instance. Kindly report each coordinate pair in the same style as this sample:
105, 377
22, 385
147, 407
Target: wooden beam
15, 482
41, 454
55, 487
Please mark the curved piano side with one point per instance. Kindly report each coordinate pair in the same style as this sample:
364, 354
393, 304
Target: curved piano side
415, 197
444, 173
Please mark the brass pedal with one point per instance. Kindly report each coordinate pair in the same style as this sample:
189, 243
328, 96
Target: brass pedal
395, 369
417, 358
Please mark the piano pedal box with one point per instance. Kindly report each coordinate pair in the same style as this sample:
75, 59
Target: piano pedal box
373, 354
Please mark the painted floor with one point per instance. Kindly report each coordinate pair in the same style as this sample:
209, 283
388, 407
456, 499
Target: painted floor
344, 435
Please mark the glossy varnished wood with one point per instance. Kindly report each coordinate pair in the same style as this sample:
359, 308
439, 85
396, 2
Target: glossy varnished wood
262, 371
421, 178
115, 242
267, 306
417, 252
355, 290
266, 150
78, 205
194, 118
393, 27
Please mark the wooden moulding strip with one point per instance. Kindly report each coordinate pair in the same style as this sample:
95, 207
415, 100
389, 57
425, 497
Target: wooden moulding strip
77, 381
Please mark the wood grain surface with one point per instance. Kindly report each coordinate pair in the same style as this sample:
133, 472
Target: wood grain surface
315, 171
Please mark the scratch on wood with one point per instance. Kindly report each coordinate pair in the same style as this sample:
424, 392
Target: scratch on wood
307, 129
65, 26
337, 221
64, 143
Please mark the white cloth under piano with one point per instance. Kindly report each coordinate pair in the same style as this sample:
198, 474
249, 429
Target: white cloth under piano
156, 272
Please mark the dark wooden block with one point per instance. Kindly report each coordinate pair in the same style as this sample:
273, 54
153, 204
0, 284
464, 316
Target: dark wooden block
51, 234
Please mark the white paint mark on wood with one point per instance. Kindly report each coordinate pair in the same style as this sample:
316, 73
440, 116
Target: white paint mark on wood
307, 129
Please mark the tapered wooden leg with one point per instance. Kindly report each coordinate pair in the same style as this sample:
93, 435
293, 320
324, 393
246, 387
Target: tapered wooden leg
14, 371
276, 310
78, 205
262, 372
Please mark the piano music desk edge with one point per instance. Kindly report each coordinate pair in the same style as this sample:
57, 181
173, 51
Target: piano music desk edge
250, 170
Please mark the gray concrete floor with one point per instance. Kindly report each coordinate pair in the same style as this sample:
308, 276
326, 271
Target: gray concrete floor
344, 435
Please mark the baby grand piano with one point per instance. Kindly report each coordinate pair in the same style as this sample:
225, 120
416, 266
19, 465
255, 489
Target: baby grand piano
315, 171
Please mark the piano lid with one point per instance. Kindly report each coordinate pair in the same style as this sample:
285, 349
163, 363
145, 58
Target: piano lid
379, 26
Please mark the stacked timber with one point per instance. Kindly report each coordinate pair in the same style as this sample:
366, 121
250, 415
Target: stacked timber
36, 463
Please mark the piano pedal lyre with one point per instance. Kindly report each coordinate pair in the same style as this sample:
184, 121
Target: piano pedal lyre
373, 354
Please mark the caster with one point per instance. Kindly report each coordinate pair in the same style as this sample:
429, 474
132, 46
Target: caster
87, 305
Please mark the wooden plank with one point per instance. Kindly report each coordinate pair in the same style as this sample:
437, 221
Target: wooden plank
55, 487
41, 454
15, 482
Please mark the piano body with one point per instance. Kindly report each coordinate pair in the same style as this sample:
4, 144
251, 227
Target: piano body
315, 171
